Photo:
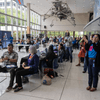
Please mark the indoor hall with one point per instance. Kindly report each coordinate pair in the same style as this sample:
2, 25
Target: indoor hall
44, 38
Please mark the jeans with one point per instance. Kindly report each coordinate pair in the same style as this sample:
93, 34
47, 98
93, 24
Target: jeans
85, 64
69, 53
93, 74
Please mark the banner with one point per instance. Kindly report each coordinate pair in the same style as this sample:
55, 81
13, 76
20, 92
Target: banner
20, 2
5, 38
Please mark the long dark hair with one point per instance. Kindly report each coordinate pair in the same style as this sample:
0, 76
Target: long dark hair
51, 48
62, 47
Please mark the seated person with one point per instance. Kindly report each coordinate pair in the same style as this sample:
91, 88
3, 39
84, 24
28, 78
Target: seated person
1, 43
9, 57
29, 67
61, 51
50, 56
51, 43
57, 41
21, 42
47, 61
29, 43
36, 44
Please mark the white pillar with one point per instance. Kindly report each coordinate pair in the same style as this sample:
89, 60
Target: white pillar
5, 15
11, 17
17, 21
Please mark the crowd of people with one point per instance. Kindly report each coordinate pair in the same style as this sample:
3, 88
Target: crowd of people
60, 49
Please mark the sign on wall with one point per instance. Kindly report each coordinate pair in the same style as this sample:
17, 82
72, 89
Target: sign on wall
20, 2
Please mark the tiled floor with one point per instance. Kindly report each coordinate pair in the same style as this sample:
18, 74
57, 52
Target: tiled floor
70, 87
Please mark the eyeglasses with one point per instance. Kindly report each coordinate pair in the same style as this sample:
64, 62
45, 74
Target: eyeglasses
95, 37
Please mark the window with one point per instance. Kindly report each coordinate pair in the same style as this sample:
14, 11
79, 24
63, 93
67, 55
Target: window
14, 8
2, 8
8, 20
15, 27
8, 7
2, 18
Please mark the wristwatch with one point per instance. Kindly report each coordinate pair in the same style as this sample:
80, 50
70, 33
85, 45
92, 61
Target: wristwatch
8, 59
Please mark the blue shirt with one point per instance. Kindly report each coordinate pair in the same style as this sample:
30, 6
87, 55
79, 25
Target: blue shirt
11, 39
92, 53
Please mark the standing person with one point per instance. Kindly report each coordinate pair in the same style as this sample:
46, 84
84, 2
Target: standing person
93, 61
60, 39
11, 39
10, 57
81, 53
68, 43
85, 64
21, 42
1, 43
29, 43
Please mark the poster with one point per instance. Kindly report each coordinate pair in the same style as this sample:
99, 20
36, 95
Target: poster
5, 38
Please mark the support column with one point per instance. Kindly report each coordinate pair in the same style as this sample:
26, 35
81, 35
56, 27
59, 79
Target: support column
73, 34
28, 18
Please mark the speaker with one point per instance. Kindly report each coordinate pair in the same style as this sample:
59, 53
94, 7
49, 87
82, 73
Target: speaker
90, 17
45, 27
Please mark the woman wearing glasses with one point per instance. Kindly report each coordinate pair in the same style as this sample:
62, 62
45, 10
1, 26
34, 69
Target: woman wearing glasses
93, 61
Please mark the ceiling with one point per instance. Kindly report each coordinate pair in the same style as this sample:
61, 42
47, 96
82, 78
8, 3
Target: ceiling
77, 6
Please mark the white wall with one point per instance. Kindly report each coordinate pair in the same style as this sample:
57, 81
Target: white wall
80, 19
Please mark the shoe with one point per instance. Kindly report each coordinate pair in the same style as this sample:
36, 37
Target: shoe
84, 71
93, 89
70, 61
16, 86
78, 65
18, 89
88, 88
8, 89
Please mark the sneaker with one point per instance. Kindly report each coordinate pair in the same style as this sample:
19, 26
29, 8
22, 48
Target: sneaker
8, 89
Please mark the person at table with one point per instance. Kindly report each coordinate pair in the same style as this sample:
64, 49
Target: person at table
1, 43
36, 44
54, 40
29, 67
11, 39
20, 47
28, 43
51, 43
9, 57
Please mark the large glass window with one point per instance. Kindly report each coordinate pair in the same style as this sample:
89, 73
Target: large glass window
14, 8
2, 6
8, 7
14, 24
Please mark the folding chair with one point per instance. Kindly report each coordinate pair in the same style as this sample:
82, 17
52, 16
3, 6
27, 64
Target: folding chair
37, 85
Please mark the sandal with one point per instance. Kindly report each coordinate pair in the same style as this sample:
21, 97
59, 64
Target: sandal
93, 89
88, 88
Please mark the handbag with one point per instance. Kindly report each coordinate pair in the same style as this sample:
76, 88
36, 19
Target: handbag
46, 70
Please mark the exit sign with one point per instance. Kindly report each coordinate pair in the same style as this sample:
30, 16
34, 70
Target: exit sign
20, 2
